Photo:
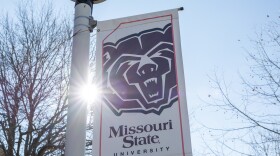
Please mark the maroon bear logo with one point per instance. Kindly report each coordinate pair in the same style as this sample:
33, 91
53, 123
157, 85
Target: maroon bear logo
139, 72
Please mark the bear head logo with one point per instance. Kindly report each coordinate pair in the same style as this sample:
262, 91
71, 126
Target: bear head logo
139, 72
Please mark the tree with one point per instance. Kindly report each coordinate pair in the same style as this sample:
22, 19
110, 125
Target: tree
258, 104
34, 63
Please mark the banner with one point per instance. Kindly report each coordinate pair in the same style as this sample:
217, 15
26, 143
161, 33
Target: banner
143, 109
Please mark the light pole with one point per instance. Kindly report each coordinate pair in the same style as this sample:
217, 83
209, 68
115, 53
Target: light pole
77, 108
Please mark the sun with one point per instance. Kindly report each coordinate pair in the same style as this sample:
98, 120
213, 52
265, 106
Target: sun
89, 93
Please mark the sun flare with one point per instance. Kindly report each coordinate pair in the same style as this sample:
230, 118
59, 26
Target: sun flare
89, 93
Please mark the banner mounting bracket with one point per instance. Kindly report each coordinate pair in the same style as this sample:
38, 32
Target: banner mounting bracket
181, 9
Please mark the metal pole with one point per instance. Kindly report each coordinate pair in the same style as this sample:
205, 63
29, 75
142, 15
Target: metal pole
77, 108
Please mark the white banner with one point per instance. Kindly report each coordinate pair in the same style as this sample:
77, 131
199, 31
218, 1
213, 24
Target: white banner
143, 109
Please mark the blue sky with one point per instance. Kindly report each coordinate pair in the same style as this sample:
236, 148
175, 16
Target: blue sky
214, 36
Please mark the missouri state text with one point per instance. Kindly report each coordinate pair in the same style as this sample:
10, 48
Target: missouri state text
130, 139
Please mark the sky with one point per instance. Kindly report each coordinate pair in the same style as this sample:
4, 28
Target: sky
215, 35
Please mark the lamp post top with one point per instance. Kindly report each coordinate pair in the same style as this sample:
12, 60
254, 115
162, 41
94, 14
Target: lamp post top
94, 1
